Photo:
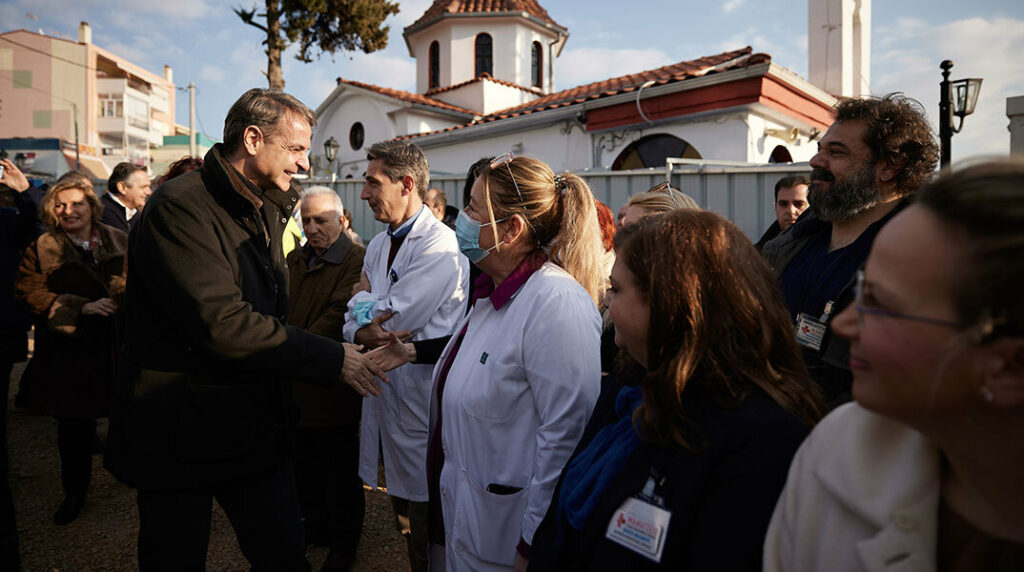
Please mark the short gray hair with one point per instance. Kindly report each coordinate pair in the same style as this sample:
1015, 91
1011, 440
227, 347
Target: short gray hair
401, 159
264, 109
318, 190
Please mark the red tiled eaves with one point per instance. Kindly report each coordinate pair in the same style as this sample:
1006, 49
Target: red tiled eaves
624, 84
406, 96
484, 76
441, 8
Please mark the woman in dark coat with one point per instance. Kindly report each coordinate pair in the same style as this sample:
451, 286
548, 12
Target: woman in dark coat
690, 441
69, 279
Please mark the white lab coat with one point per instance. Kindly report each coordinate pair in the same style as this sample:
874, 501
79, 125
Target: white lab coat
862, 495
428, 299
515, 404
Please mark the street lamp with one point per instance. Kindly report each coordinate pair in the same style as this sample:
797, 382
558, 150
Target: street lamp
957, 98
331, 152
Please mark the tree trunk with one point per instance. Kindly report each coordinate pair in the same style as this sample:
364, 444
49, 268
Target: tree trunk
274, 45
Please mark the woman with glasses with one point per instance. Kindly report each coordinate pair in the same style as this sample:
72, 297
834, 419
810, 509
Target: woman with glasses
515, 385
682, 461
926, 470
660, 198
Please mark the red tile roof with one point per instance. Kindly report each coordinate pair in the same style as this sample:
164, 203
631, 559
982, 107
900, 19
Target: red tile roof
441, 8
483, 76
668, 74
406, 96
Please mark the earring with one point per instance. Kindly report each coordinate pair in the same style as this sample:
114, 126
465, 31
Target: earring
987, 395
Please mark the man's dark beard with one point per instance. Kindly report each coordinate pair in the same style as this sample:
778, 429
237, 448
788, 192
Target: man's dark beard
845, 198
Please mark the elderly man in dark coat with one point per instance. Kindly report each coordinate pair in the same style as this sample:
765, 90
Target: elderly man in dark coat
204, 410
321, 276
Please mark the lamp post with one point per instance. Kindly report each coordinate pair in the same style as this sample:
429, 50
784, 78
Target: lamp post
957, 97
331, 153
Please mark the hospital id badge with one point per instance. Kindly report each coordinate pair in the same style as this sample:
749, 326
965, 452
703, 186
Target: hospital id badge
809, 331
640, 527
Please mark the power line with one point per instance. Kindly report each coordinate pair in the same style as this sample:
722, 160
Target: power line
45, 53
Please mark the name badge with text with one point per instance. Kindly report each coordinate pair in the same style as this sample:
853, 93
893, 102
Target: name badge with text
640, 527
809, 331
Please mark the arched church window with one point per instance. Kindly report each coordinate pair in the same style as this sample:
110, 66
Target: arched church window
537, 65
651, 151
780, 154
484, 55
435, 65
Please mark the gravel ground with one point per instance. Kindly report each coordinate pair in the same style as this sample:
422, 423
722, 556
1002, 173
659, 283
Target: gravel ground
103, 537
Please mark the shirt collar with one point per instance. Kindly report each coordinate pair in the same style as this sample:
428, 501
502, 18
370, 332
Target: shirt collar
406, 226
500, 295
129, 212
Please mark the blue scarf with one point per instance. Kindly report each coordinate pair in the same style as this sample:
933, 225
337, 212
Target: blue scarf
590, 473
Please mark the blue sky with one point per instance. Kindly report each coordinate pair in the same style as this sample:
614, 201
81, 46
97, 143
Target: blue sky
206, 43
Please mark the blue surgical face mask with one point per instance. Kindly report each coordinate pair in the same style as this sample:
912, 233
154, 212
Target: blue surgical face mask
467, 231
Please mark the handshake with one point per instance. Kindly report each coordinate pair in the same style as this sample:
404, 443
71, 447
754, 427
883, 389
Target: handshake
361, 370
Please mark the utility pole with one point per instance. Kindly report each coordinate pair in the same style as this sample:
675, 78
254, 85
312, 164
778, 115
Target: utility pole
78, 159
192, 143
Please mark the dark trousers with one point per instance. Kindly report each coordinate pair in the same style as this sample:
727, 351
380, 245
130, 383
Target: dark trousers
411, 520
174, 526
74, 444
331, 492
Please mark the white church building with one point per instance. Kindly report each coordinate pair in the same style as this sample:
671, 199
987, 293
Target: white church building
485, 84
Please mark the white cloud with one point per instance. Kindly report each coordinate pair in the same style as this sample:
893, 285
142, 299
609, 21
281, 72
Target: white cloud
979, 47
585, 65
731, 6
212, 74
409, 12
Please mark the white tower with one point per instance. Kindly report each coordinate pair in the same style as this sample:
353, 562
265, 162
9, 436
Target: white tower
839, 46
485, 56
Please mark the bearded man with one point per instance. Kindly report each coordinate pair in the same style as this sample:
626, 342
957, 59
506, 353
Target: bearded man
869, 164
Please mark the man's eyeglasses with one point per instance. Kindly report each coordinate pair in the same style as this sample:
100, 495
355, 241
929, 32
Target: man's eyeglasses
505, 159
863, 308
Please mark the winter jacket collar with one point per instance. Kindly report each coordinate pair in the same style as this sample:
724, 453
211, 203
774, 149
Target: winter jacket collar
901, 501
231, 187
335, 254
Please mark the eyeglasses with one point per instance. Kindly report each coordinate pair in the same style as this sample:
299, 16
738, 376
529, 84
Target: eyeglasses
858, 293
505, 159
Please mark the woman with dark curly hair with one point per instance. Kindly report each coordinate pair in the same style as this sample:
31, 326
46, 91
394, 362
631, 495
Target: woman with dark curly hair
687, 450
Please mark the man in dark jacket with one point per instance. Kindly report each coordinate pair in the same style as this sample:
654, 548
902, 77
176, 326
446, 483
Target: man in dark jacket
127, 190
203, 408
321, 276
869, 163
790, 203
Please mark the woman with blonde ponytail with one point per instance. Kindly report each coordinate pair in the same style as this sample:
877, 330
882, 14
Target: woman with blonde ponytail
516, 383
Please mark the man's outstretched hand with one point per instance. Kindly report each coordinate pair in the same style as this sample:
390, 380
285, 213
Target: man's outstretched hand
359, 372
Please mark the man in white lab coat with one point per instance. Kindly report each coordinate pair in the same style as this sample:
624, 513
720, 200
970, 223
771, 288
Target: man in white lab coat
420, 280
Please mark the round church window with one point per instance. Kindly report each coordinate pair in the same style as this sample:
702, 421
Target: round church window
356, 136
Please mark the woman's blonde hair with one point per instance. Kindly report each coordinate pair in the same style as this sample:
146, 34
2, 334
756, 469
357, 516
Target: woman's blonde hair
559, 213
47, 210
662, 198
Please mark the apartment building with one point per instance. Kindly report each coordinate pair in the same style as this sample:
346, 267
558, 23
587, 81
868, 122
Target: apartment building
102, 108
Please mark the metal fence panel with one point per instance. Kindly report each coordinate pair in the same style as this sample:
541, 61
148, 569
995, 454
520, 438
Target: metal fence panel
744, 195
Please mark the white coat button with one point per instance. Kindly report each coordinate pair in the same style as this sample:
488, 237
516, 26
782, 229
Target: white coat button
904, 521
